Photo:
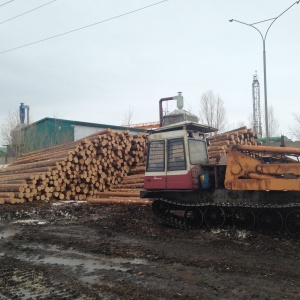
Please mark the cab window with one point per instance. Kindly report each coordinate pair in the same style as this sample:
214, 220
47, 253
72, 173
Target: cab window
176, 155
156, 156
197, 151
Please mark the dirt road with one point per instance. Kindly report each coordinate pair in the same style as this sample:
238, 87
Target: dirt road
76, 251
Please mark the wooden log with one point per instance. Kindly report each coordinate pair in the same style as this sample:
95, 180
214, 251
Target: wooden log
221, 143
240, 129
37, 158
137, 170
12, 188
14, 201
7, 195
25, 176
119, 201
123, 193
214, 148
129, 186
133, 179
33, 170
13, 181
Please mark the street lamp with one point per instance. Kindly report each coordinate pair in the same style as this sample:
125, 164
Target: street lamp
264, 60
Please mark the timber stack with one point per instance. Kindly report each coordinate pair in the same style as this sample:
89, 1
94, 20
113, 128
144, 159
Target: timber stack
220, 144
127, 192
73, 170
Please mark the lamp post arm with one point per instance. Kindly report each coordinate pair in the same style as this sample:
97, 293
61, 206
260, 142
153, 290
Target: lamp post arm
250, 25
278, 17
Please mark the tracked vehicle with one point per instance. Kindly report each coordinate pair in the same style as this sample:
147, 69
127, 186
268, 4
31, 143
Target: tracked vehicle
251, 187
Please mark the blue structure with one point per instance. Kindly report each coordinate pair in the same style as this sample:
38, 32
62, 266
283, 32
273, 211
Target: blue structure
22, 113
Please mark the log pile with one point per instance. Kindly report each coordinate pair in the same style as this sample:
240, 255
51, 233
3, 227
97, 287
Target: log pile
220, 144
127, 192
74, 170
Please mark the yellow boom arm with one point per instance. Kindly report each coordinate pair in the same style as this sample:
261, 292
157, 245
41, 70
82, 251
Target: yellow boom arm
260, 168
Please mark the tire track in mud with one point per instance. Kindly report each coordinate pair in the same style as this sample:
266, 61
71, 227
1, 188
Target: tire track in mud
71, 252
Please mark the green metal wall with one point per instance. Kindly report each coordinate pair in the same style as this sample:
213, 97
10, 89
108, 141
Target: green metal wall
47, 133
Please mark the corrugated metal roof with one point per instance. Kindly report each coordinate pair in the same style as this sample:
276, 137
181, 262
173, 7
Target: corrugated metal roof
96, 125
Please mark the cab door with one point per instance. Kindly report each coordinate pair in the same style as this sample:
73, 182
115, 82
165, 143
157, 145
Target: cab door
178, 177
155, 176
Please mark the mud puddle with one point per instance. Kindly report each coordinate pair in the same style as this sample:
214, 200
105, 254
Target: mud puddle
86, 264
8, 232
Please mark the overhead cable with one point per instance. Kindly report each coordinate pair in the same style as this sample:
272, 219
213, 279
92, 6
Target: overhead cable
84, 27
26, 12
6, 3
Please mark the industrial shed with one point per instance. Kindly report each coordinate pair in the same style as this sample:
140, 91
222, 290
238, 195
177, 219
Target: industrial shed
3, 156
49, 132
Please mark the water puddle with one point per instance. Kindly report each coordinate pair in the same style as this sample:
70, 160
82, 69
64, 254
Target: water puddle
84, 262
92, 279
8, 233
88, 265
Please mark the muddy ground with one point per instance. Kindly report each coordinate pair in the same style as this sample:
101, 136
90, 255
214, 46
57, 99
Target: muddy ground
76, 251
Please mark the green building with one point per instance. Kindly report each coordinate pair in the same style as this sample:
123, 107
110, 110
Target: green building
49, 132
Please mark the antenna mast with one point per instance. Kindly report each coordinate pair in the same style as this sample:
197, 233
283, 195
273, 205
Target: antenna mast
256, 106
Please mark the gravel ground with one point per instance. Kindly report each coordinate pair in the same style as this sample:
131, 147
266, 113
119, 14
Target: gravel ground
72, 250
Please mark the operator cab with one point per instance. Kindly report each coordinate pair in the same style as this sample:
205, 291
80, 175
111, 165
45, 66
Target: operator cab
175, 155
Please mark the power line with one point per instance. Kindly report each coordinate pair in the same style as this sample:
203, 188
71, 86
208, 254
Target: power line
84, 27
6, 3
27, 12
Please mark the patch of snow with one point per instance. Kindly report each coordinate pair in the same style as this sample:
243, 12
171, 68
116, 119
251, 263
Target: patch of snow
242, 234
31, 222
58, 203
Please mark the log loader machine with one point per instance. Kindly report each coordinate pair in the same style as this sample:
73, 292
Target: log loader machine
252, 187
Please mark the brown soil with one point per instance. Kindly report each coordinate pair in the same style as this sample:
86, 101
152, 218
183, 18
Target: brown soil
60, 250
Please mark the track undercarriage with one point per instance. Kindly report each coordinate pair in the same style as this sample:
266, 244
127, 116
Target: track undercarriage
278, 217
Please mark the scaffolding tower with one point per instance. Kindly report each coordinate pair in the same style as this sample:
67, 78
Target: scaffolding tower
256, 106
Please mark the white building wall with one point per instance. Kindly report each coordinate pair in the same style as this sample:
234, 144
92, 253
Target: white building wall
83, 131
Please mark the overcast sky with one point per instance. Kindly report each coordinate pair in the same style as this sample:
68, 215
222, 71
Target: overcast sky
128, 63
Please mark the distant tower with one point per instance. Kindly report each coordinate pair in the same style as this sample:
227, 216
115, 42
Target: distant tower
256, 106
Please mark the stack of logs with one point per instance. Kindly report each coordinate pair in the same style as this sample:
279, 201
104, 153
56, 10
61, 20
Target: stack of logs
220, 144
73, 171
127, 192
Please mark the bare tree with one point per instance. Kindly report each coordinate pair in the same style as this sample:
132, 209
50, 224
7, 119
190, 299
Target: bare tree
273, 123
11, 134
128, 118
212, 110
8, 125
22, 138
295, 130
